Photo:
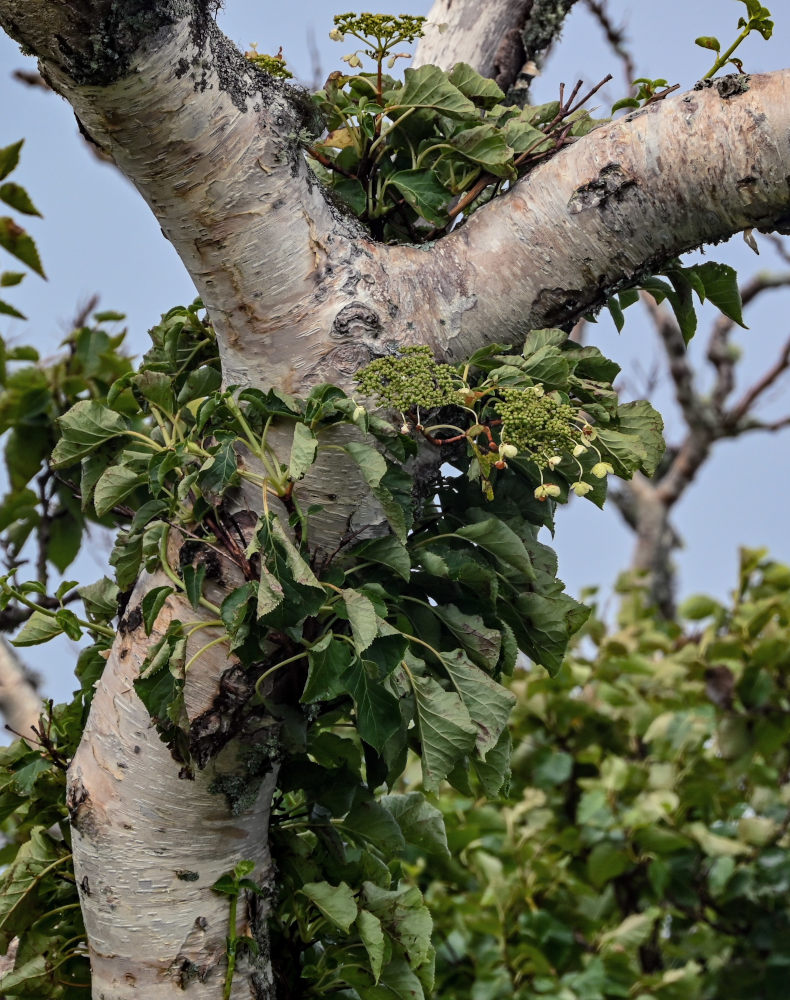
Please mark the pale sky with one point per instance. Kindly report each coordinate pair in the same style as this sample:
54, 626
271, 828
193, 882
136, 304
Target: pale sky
98, 236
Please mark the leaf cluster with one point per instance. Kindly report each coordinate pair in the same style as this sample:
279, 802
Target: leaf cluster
644, 848
758, 18
13, 238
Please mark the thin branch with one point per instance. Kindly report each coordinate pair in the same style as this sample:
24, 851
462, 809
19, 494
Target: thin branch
615, 36
719, 353
736, 415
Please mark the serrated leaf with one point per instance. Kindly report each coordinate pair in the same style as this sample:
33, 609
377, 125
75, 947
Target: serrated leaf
19, 244
83, 428
303, 451
387, 551
362, 616
19, 883
9, 158
638, 443
69, 623
494, 772
6, 309
421, 823
372, 463
152, 604
369, 927
37, 629
373, 822
378, 712
487, 146
300, 570
16, 197
328, 661
447, 734
482, 644
270, 592
100, 598
404, 916
336, 902
489, 704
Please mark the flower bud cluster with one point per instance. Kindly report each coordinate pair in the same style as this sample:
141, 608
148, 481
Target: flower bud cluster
273, 65
381, 27
410, 378
538, 424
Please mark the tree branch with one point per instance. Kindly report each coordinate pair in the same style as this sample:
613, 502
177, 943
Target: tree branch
680, 370
20, 702
742, 408
615, 36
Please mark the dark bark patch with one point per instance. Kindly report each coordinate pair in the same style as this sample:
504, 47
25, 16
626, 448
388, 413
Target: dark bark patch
727, 86
354, 321
610, 185
131, 622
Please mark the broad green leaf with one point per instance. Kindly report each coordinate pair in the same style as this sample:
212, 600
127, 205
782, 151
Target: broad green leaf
20, 882
113, 486
83, 428
639, 441
329, 659
522, 136
502, 542
152, 604
9, 158
721, 287
421, 823
369, 927
220, 471
65, 540
489, 704
37, 629
336, 902
16, 197
303, 451
447, 734
482, 644
9, 278
372, 463
19, 244
363, 618
429, 87
486, 146
101, 598
404, 916
300, 570
387, 551
424, 192
270, 592
28, 979
156, 388
494, 772
378, 712
373, 822
632, 932
69, 623
478, 88
6, 309
713, 844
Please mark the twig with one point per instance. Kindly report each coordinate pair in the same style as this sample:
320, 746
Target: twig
750, 397
616, 37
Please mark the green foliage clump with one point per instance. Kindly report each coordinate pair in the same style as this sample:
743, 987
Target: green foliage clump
273, 65
409, 379
643, 850
13, 238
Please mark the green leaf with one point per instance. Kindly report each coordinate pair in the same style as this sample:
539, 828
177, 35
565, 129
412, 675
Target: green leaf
486, 145
363, 618
377, 711
429, 87
502, 542
300, 570
405, 918
373, 822
152, 604
372, 463
9, 278
193, 582
489, 704
37, 629
9, 158
16, 241
369, 927
69, 623
421, 823
8, 310
83, 428
493, 773
336, 902
16, 197
721, 287
20, 883
483, 644
329, 659
447, 734
387, 551
156, 388
708, 42
480, 89
113, 486
100, 598
303, 451
65, 540
639, 441
424, 192
270, 592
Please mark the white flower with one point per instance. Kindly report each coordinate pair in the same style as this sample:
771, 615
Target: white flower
601, 470
581, 489
580, 449
546, 490
508, 450
336, 35
554, 461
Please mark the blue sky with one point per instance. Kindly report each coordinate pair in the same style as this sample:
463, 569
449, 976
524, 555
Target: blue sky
98, 237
